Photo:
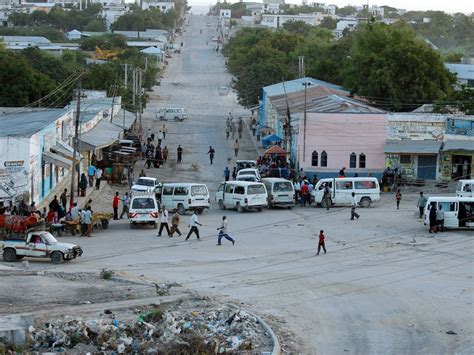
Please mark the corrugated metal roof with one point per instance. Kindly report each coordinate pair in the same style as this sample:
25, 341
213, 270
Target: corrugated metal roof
412, 146
298, 85
24, 123
30, 39
463, 71
124, 119
102, 135
458, 144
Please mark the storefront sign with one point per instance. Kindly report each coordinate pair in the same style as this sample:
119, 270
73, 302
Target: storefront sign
14, 165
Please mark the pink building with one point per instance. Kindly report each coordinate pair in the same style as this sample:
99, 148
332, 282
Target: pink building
347, 134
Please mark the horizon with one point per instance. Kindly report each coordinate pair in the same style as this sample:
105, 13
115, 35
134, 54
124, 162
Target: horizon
463, 6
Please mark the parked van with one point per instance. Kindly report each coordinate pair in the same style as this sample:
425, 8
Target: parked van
366, 189
185, 197
144, 209
458, 211
241, 195
280, 192
250, 171
172, 113
465, 188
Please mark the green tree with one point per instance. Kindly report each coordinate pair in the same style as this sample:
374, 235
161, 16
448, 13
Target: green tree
297, 27
108, 41
329, 23
346, 11
392, 68
96, 25
453, 57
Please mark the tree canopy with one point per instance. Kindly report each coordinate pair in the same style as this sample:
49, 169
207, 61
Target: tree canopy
140, 20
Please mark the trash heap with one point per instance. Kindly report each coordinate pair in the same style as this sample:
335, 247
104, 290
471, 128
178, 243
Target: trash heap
217, 330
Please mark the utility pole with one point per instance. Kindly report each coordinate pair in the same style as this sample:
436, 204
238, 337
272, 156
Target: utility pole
126, 76
76, 133
140, 100
134, 86
304, 120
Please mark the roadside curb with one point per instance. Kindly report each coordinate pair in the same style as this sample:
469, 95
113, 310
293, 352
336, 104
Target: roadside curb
276, 344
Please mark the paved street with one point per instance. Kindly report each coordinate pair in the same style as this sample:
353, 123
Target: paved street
384, 287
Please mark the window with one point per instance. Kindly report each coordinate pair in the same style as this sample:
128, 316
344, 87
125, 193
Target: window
353, 160
180, 191
405, 159
229, 188
314, 158
344, 185
282, 186
199, 190
362, 160
448, 206
167, 191
143, 203
364, 185
239, 190
256, 189
324, 159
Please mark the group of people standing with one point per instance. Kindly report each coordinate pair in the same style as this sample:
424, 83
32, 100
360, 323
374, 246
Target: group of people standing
231, 127
157, 154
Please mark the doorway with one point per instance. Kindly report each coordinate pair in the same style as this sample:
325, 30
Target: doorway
427, 167
462, 166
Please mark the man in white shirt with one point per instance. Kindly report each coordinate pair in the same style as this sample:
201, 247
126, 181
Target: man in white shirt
353, 207
297, 190
223, 232
75, 211
164, 222
98, 177
194, 223
86, 220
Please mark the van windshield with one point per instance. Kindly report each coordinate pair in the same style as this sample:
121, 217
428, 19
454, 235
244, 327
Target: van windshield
255, 189
282, 186
199, 190
143, 203
145, 182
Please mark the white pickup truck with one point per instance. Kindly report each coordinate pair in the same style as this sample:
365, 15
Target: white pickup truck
38, 244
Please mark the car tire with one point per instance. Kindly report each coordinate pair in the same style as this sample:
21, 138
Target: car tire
221, 205
240, 209
365, 202
9, 255
177, 119
181, 209
162, 118
132, 225
57, 257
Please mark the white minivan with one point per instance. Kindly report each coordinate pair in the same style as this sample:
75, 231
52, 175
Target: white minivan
249, 171
144, 209
465, 188
366, 189
458, 211
172, 113
280, 192
241, 195
185, 197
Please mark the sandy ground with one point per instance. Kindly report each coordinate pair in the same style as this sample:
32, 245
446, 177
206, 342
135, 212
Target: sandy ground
385, 285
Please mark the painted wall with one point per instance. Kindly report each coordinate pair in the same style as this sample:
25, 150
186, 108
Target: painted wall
340, 134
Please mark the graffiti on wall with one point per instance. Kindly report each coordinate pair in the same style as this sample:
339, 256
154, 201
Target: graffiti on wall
13, 181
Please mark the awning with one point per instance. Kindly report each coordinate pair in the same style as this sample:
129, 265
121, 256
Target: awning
412, 146
102, 135
457, 144
58, 160
124, 119
65, 150
275, 150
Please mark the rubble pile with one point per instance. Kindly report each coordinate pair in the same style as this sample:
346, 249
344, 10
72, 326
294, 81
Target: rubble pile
206, 330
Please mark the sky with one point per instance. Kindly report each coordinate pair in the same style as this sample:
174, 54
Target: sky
450, 6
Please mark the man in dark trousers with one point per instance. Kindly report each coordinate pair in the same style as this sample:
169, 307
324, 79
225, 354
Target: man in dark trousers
194, 223
180, 153
63, 199
223, 232
164, 222
353, 207
321, 243
211, 153
226, 173
115, 205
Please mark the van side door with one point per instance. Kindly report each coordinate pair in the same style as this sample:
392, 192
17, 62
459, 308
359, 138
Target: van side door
344, 189
451, 210
229, 195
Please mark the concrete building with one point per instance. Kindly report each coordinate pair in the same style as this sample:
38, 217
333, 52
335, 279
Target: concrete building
111, 12
74, 35
163, 6
341, 132
225, 13
343, 25
272, 6
277, 20
464, 73
35, 155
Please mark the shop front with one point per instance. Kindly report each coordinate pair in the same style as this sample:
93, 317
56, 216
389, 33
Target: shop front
457, 160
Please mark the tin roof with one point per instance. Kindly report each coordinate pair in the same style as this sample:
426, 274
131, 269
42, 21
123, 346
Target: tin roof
24, 122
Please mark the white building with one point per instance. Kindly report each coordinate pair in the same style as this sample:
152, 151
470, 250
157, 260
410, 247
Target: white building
464, 73
346, 24
225, 13
376, 11
272, 6
112, 12
163, 6
74, 35
277, 20
34, 152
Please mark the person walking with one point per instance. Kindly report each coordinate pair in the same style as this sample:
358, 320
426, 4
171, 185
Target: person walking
236, 147
432, 217
180, 153
321, 243
440, 218
227, 131
327, 196
232, 129
234, 173
226, 173
223, 232
211, 153
254, 128
91, 174
115, 205
175, 223
353, 207
193, 224
164, 222
163, 131
98, 178
304, 194
164, 153
125, 205
83, 184
297, 190
398, 198
241, 127
88, 204
63, 199
86, 220
422, 200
